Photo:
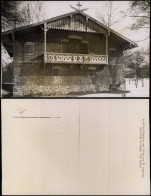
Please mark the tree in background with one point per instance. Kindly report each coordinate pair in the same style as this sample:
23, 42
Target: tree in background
108, 15
37, 11
10, 16
136, 61
33, 12
26, 13
13, 17
140, 10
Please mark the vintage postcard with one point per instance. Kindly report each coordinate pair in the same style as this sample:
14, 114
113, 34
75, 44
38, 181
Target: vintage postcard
75, 49
75, 147
70, 49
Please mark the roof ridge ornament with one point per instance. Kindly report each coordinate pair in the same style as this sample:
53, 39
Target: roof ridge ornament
78, 9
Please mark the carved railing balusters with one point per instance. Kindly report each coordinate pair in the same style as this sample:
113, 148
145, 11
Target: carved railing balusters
75, 58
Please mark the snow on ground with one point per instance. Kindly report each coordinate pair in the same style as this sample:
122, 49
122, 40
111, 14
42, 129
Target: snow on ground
142, 89
4, 92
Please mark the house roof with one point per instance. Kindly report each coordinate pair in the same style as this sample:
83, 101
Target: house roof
69, 14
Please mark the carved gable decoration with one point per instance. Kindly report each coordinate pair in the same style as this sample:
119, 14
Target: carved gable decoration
76, 22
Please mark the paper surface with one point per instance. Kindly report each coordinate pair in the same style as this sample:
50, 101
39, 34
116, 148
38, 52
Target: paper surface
75, 147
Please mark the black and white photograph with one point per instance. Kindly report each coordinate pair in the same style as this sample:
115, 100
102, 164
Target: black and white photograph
75, 49
75, 89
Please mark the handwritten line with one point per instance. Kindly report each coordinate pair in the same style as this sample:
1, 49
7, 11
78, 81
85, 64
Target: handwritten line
37, 133
79, 144
34, 117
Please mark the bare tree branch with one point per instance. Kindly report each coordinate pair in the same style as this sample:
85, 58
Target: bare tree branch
38, 11
143, 39
137, 8
140, 16
108, 17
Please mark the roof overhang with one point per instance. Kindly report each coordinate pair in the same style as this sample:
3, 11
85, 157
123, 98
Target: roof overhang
132, 44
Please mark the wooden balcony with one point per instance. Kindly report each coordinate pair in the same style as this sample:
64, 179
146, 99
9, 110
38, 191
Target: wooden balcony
71, 58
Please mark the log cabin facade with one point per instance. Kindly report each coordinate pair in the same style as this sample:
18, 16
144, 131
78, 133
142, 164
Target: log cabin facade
64, 55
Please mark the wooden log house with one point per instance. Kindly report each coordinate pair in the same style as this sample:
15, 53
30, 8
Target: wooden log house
67, 54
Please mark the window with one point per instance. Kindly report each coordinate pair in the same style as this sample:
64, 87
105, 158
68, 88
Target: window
74, 45
112, 52
29, 48
56, 71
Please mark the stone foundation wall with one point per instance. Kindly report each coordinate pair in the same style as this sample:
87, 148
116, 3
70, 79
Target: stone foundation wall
62, 85
62, 90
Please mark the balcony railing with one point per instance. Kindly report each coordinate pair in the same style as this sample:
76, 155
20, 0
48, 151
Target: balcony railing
71, 58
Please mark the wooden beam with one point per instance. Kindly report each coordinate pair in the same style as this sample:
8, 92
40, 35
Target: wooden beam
45, 36
71, 21
86, 27
107, 46
45, 49
13, 40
